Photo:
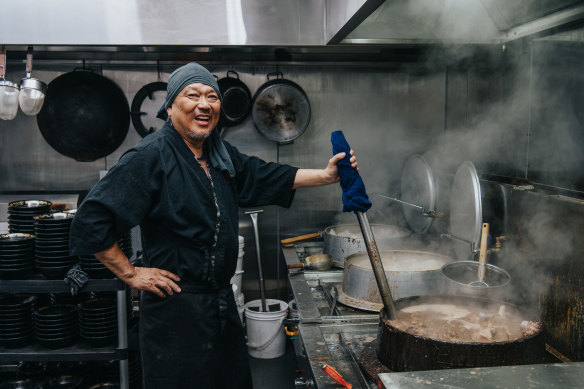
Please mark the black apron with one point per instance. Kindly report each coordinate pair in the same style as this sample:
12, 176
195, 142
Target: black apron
193, 339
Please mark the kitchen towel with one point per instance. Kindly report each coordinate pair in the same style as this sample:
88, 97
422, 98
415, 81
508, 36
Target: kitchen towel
354, 195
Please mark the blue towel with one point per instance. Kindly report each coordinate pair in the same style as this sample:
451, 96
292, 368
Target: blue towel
354, 195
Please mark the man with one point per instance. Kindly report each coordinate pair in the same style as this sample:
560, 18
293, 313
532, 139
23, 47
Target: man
183, 186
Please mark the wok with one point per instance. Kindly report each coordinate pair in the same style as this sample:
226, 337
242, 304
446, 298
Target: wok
236, 100
280, 109
85, 115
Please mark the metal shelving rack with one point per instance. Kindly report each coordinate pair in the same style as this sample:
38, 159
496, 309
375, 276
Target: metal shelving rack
77, 352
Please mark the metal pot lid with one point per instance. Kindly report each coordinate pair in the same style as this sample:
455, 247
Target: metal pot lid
465, 205
280, 110
417, 187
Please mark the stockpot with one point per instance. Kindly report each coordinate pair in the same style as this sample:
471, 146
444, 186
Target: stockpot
343, 240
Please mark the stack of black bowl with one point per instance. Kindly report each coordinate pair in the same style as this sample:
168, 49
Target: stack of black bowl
129, 302
110, 371
21, 214
16, 255
94, 268
52, 244
16, 324
125, 243
56, 326
98, 322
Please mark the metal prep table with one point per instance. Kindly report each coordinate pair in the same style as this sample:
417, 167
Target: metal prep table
335, 334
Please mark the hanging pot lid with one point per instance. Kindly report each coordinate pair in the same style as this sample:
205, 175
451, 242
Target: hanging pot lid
236, 104
280, 109
155, 92
465, 205
417, 187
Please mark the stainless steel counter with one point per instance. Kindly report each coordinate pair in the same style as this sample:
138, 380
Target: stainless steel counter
334, 334
557, 375
328, 332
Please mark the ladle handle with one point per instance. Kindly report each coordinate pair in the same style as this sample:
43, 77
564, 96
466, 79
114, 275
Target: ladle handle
483, 252
286, 242
388, 311
296, 266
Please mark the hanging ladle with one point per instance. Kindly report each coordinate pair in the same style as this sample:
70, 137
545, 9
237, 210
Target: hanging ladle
482, 259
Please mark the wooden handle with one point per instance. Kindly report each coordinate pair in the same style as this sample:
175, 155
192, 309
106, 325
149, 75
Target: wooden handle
289, 241
295, 266
483, 252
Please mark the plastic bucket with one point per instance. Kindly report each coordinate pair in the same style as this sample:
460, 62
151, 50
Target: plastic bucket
266, 337
237, 279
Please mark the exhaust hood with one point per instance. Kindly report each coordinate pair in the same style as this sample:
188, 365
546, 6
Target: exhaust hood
268, 30
463, 21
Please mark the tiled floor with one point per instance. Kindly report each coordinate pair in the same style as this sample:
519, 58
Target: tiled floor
276, 373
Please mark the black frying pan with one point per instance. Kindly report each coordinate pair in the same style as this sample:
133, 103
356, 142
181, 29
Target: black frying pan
236, 100
85, 116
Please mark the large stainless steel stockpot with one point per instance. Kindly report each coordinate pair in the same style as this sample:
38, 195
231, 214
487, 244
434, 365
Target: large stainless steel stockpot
409, 273
343, 240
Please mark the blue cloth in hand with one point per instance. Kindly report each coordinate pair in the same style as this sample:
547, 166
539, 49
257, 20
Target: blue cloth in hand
354, 195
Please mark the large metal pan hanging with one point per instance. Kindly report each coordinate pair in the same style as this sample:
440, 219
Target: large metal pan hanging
85, 115
280, 109
236, 100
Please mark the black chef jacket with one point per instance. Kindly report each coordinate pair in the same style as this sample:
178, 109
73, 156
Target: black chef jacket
160, 186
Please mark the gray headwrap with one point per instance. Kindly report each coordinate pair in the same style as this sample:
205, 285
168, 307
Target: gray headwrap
193, 73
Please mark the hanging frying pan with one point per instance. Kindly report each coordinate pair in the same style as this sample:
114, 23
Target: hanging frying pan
280, 109
85, 115
236, 100
140, 109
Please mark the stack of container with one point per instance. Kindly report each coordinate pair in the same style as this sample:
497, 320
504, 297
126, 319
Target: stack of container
237, 280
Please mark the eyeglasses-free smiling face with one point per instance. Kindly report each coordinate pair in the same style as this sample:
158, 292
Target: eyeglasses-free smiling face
195, 112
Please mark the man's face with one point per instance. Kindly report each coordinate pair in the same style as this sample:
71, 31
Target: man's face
195, 112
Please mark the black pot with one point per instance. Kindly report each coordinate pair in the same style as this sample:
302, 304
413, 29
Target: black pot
280, 110
402, 351
236, 104
85, 116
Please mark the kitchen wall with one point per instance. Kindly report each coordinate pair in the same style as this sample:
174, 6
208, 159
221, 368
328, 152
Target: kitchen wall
515, 113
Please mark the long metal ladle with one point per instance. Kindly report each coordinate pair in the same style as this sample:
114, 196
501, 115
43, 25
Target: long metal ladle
482, 258
377, 266
254, 220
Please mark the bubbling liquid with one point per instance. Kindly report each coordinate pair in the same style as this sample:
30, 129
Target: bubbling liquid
465, 323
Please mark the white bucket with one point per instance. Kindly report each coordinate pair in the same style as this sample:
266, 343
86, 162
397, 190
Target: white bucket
237, 280
266, 337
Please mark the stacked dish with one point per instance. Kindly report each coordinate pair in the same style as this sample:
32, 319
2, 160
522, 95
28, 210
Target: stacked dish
16, 324
16, 255
52, 244
110, 370
98, 322
94, 268
21, 214
125, 243
56, 326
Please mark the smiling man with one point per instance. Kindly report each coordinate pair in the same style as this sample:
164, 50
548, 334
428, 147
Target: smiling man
183, 186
